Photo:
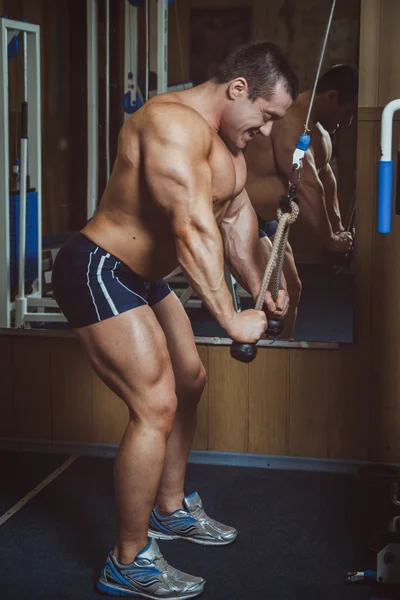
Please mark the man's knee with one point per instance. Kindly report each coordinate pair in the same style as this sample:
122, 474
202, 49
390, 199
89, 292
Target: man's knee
200, 379
295, 288
191, 382
157, 411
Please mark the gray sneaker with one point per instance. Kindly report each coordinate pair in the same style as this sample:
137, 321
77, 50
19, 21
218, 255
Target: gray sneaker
192, 524
148, 576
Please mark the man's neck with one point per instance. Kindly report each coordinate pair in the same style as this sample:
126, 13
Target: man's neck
208, 99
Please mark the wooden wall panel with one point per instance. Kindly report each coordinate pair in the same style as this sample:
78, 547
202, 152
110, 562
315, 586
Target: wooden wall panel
56, 81
31, 373
228, 405
71, 392
385, 438
379, 73
368, 149
309, 398
369, 52
13, 9
200, 441
7, 410
77, 117
389, 76
33, 11
268, 403
356, 375
349, 404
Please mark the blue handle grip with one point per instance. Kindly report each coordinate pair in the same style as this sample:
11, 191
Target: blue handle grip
303, 142
385, 189
398, 185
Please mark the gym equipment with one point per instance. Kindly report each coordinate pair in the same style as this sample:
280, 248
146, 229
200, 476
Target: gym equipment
92, 109
21, 211
24, 245
387, 545
385, 169
245, 352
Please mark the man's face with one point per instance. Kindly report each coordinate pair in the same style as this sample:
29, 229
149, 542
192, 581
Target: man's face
335, 113
244, 118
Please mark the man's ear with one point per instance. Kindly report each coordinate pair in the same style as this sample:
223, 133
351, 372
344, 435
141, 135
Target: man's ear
237, 88
332, 96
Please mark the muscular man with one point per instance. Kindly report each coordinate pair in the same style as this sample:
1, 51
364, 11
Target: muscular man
269, 165
175, 197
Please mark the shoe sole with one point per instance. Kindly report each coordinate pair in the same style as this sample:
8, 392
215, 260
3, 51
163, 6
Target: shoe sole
111, 590
165, 536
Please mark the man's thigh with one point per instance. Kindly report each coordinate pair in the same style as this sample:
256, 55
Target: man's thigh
130, 354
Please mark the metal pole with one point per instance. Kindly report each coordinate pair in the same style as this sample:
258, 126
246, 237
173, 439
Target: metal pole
4, 183
162, 46
92, 108
20, 306
107, 78
35, 136
131, 53
146, 86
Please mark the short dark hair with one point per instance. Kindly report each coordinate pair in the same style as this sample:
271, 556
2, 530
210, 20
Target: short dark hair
343, 79
263, 65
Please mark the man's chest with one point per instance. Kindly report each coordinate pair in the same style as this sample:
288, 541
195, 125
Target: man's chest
228, 177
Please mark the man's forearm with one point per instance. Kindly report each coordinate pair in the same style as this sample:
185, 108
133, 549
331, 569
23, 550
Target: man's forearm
332, 207
314, 211
328, 181
248, 265
200, 254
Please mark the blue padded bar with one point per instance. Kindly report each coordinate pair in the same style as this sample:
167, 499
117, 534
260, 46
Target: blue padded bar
385, 189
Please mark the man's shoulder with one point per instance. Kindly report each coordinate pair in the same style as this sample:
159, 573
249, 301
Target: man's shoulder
285, 132
167, 113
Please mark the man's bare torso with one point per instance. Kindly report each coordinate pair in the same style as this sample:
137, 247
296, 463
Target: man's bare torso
129, 225
265, 157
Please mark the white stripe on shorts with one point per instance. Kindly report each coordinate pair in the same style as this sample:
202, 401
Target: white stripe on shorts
141, 297
103, 287
88, 283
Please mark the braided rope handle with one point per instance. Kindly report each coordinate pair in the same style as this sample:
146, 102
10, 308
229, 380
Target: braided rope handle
247, 352
277, 253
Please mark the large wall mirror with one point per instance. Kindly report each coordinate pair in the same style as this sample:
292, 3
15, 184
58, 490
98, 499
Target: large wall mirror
200, 34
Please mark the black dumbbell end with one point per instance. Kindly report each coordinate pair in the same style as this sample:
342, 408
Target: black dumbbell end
243, 352
275, 327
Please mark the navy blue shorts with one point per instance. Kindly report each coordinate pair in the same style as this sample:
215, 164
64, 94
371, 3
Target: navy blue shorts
267, 228
91, 285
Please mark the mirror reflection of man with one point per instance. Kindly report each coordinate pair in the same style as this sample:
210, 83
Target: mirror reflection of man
269, 166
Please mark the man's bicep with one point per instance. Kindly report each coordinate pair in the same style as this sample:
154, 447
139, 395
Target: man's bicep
240, 211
